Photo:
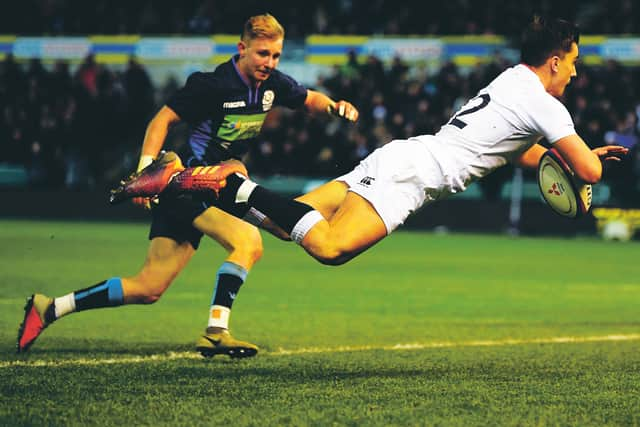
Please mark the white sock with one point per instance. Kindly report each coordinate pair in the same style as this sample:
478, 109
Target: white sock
219, 316
254, 217
65, 305
305, 224
245, 190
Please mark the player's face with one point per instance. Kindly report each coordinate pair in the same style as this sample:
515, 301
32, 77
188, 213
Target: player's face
564, 69
259, 57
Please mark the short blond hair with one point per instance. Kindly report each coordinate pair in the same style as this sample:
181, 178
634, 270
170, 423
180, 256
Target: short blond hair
262, 26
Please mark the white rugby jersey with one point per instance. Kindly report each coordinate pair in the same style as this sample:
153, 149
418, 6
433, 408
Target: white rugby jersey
503, 121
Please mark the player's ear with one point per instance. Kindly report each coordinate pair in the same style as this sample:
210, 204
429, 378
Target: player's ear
555, 63
242, 48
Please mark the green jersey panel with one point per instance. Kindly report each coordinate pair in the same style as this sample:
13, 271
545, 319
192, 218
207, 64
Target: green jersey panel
236, 127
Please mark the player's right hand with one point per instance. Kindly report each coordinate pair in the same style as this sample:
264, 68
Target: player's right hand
145, 202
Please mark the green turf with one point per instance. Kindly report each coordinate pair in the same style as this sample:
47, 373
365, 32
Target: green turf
413, 288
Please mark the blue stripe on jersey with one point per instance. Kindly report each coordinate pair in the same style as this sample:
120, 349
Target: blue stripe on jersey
200, 138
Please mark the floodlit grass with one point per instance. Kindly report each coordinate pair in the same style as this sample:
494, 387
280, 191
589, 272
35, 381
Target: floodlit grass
510, 295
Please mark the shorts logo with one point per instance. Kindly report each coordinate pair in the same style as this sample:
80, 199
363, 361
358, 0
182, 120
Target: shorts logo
367, 181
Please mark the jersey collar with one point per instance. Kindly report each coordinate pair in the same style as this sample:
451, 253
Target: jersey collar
245, 80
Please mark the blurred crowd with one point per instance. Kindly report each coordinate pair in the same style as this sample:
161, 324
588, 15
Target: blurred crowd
67, 128
72, 17
399, 101
84, 128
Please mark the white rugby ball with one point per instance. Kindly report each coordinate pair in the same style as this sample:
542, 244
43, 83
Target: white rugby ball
562, 191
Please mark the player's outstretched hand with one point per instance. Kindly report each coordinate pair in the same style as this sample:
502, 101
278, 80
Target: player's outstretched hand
610, 152
344, 110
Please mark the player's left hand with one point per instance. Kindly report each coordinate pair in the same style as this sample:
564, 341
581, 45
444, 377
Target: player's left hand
344, 110
610, 152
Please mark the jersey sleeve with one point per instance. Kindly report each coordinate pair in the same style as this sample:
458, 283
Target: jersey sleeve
551, 119
193, 101
291, 93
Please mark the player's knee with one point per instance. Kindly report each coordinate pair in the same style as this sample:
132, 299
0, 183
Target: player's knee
152, 294
257, 252
150, 299
250, 247
332, 260
251, 253
329, 255
147, 290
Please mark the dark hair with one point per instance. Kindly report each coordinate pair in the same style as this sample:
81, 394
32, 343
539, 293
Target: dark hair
544, 38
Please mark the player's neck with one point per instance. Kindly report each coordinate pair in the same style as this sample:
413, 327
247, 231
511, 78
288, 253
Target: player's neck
542, 73
244, 75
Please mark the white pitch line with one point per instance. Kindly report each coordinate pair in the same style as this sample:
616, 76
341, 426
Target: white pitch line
320, 350
449, 344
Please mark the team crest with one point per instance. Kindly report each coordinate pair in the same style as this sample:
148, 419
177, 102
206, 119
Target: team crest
267, 100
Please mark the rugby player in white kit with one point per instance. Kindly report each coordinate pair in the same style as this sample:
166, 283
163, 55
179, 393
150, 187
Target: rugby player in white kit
503, 124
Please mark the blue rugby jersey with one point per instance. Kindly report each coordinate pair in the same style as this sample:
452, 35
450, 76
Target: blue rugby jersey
225, 112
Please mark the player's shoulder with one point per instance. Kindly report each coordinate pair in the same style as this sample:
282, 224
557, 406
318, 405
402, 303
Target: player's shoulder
519, 86
207, 80
278, 77
516, 79
201, 77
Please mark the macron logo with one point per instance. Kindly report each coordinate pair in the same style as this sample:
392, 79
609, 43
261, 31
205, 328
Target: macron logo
367, 181
235, 104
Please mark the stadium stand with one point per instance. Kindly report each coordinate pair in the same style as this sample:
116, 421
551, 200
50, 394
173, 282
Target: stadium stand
77, 17
81, 127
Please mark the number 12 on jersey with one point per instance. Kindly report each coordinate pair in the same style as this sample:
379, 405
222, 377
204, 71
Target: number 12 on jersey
484, 101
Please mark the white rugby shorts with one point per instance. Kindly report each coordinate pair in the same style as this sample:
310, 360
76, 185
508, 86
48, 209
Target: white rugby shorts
397, 179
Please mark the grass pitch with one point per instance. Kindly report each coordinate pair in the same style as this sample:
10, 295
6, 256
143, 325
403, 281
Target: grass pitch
423, 329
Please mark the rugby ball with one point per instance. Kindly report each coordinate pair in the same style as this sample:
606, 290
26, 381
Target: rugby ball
562, 191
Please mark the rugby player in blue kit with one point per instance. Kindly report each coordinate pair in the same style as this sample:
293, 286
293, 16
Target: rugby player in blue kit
225, 110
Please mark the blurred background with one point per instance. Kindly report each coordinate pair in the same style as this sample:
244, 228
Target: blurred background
80, 80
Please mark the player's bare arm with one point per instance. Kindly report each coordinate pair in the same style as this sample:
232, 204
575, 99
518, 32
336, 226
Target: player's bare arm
585, 162
154, 138
157, 131
530, 158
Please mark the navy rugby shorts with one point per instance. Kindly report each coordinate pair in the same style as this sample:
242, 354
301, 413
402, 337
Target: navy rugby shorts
173, 216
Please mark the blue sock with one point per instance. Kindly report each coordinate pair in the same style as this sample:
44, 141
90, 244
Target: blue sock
107, 293
230, 277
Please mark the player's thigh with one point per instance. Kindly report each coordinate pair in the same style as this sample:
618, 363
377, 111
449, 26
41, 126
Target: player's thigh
327, 198
229, 231
165, 259
354, 227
